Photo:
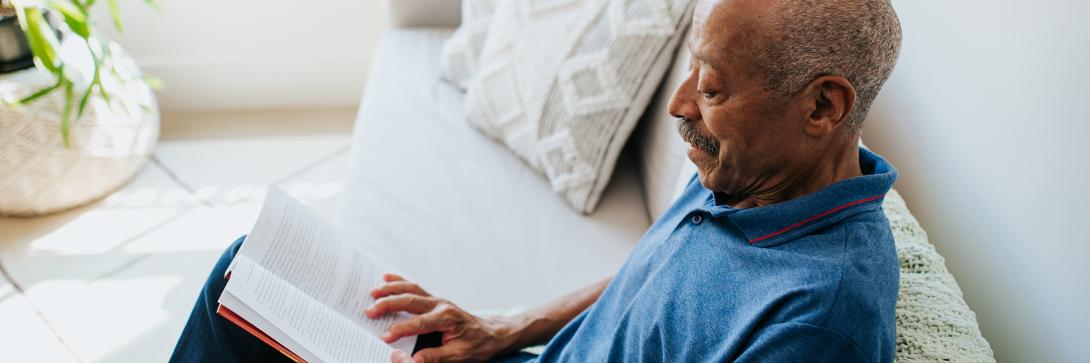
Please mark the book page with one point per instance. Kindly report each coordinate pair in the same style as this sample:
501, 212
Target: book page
324, 333
306, 252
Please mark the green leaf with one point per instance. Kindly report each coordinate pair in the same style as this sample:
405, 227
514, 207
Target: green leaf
74, 16
41, 38
115, 13
90, 89
66, 116
154, 5
100, 57
102, 92
39, 93
83, 100
154, 83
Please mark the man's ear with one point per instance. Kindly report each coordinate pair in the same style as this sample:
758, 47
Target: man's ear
831, 99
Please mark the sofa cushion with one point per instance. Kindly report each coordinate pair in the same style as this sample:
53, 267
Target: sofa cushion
562, 84
456, 211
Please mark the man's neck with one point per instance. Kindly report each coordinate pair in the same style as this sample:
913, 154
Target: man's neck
832, 165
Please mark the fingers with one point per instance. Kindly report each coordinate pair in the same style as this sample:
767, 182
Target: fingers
413, 304
400, 357
392, 277
441, 319
398, 287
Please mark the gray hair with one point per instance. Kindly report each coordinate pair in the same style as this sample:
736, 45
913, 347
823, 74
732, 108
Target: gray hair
857, 39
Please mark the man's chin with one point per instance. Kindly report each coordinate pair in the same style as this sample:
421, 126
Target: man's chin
708, 172
703, 174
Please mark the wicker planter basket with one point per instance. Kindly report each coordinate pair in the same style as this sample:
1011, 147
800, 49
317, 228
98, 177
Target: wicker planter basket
108, 144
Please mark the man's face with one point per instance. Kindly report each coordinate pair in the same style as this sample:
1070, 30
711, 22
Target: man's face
741, 138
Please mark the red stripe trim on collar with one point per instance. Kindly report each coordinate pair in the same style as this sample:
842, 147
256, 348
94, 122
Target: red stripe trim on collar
811, 219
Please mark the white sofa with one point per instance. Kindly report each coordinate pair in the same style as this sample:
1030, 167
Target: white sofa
458, 213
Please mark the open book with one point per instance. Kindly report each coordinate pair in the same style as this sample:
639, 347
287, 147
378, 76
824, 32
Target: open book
297, 286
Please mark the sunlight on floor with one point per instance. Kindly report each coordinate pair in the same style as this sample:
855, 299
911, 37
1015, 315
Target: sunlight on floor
114, 281
109, 312
147, 197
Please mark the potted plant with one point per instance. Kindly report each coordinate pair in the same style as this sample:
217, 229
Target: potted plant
78, 119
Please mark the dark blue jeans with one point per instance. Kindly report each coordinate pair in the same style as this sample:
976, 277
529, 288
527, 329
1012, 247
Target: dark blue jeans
207, 337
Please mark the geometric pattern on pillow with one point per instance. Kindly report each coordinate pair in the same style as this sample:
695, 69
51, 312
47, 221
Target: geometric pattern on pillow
562, 83
462, 51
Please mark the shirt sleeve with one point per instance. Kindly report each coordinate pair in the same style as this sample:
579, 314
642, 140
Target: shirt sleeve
800, 342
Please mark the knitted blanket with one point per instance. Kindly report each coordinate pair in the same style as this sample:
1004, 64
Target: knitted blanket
933, 322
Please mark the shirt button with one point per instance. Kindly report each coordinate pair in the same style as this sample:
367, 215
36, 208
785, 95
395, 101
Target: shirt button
697, 219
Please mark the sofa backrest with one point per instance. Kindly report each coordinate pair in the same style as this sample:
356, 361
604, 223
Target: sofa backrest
425, 13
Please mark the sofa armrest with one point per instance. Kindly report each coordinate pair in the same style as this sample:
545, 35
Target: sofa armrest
423, 13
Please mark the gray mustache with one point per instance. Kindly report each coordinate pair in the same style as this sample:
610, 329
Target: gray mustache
691, 135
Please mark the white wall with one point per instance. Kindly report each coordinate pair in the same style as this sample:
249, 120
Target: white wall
987, 117
215, 54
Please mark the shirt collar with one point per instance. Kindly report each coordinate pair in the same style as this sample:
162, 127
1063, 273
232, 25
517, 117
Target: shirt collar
781, 222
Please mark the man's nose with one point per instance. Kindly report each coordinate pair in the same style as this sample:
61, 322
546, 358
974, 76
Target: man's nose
683, 101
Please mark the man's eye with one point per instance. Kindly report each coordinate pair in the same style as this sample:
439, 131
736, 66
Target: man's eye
709, 95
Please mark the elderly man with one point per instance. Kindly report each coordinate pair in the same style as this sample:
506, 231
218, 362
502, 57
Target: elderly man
777, 251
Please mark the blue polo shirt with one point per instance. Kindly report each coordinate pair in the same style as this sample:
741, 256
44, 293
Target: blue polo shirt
813, 279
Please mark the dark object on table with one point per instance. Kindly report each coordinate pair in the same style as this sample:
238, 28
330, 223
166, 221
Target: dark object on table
15, 53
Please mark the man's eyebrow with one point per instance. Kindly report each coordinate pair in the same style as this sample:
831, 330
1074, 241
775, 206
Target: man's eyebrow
718, 66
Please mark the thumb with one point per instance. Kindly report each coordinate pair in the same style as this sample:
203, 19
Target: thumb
400, 357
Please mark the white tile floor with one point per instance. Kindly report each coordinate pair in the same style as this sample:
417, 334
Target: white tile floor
114, 281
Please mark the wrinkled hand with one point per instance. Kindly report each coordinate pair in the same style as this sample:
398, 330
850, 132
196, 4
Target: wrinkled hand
466, 338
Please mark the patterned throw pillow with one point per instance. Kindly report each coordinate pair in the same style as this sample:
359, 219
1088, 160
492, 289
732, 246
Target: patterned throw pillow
458, 61
562, 83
